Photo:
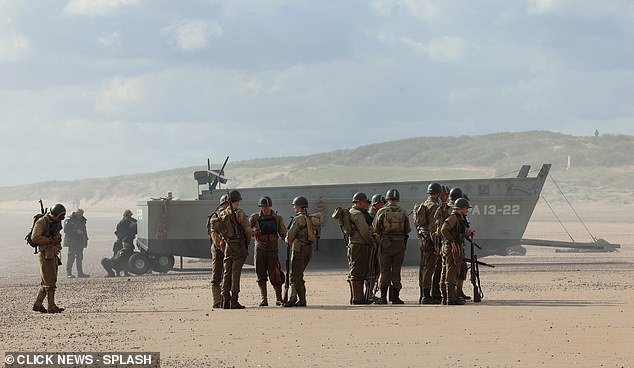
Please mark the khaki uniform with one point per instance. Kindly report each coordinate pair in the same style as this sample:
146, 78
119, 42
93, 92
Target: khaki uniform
359, 252
454, 231
217, 258
392, 248
302, 251
235, 253
269, 228
426, 228
438, 280
47, 235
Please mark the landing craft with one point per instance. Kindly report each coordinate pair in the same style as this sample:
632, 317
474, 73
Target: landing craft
169, 227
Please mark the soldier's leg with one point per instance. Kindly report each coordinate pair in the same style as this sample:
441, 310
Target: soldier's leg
236, 269
397, 263
428, 273
261, 269
70, 260
79, 259
384, 265
443, 275
435, 286
453, 270
350, 266
48, 269
216, 275
421, 269
226, 278
307, 254
297, 270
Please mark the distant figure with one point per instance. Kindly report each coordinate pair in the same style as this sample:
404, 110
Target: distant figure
596, 132
47, 234
425, 222
217, 253
76, 239
299, 238
123, 247
359, 247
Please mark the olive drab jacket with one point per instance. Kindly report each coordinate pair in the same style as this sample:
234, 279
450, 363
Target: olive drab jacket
47, 235
298, 232
267, 229
362, 233
391, 214
454, 229
426, 220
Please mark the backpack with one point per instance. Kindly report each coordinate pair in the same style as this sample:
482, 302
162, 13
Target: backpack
314, 225
420, 214
393, 222
221, 224
342, 215
28, 239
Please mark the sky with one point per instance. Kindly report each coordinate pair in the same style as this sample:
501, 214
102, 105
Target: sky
96, 88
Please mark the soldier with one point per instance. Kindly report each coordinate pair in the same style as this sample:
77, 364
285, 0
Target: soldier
441, 214
392, 225
217, 254
360, 244
378, 202
300, 238
76, 239
268, 226
454, 230
237, 238
426, 229
454, 195
47, 234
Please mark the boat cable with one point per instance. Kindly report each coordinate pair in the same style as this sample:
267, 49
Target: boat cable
573, 209
557, 217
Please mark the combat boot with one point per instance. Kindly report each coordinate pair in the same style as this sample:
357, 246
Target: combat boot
302, 297
428, 299
357, 293
37, 306
226, 301
52, 308
459, 292
382, 299
278, 295
452, 299
263, 292
234, 302
395, 298
217, 295
292, 300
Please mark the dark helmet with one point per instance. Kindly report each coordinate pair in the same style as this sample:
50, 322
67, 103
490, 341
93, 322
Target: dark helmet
377, 198
223, 198
300, 201
465, 196
265, 201
359, 197
455, 193
58, 209
461, 203
434, 188
393, 194
445, 189
235, 196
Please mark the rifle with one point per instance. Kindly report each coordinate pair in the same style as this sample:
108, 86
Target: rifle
288, 265
237, 228
475, 271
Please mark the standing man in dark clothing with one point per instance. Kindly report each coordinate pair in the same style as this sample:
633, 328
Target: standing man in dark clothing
76, 239
47, 234
125, 232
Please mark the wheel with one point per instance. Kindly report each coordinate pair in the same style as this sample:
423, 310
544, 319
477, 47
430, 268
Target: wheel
162, 263
138, 264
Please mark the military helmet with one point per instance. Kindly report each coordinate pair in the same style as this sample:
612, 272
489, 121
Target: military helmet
265, 201
359, 197
434, 188
455, 193
377, 198
235, 196
58, 209
461, 203
465, 197
445, 189
223, 198
300, 201
393, 194
127, 213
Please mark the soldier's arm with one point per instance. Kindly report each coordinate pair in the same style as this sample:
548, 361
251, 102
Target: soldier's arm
362, 227
292, 231
449, 224
281, 228
376, 223
244, 223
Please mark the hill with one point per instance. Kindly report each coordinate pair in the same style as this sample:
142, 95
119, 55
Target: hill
601, 169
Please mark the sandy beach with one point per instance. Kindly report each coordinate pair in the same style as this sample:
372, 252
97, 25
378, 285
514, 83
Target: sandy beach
543, 309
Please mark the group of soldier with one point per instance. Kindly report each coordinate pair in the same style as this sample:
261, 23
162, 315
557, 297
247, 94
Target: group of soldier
231, 231
378, 238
